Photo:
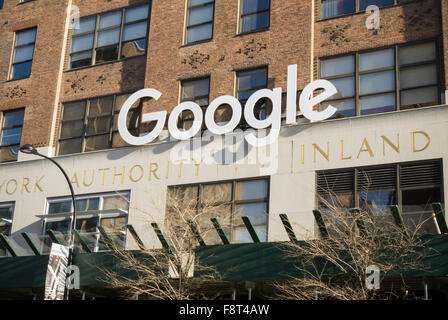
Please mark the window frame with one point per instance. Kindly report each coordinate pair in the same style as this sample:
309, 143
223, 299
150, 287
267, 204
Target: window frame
181, 119
11, 67
397, 71
2, 118
187, 26
96, 31
398, 188
241, 15
233, 203
68, 216
357, 10
84, 136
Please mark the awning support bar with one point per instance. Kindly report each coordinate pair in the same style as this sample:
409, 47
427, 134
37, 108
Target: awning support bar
250, 228
30, 243
136, 237
4, 240
161, 237
288, 228
398, 219
440, 217
320, 223
196, 233
81, 240
220, 231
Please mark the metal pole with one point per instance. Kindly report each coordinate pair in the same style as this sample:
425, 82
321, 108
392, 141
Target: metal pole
71, 234
426, 290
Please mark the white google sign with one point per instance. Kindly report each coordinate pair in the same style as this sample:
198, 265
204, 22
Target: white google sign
273, 121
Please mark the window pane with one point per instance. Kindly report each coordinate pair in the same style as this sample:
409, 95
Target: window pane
24, 53
137, 13
110, 19
13, 118
377, 82
21, 70
72, 129
97, 143
419, 97
70, 146
331, 8
86, 225
85, 25
59, 226
101, 106
255, 211
253, 78
420, 199
377, 201
187, 195
363, 4
116, 202
82, 43
74, 111
88, 204
196, 90
6, 212
378, 103
256, 189
114, 224
26, 36
60, 207
337, 66
133, 48
9, 153
255, 21
345, 108
11, 136
108, 37
216, 193
345, 86
197, 2
199, 33
200, 15
135, 31
98, 125
418, 76
417, 53
81, 59
241, 235
107, 54
132, 120
376, 60
249, 6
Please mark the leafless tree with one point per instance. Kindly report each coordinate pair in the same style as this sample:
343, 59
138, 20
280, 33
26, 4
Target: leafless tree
167, 273
333, 265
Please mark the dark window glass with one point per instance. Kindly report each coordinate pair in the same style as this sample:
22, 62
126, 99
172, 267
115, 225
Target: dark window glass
1, 4
249, 82
363, 4
23, 53
254, 15
375, 74
93, 124
333, 8
218, 200
11, 135
116, 37
200, 20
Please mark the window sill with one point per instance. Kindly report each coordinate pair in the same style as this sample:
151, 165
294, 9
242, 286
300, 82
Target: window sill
103, 63
195, 43
251, 32
17, 79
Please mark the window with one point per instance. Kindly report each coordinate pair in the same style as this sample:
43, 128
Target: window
249, 82
1, 4
92, 124
367, 82
333, 8
110, 36
11, 135
254, 15
23, 53
412, 186
199, 20
107, 210
228, 202
6, 215
196, 90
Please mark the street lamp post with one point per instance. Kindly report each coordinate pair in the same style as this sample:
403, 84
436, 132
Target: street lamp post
30, 149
